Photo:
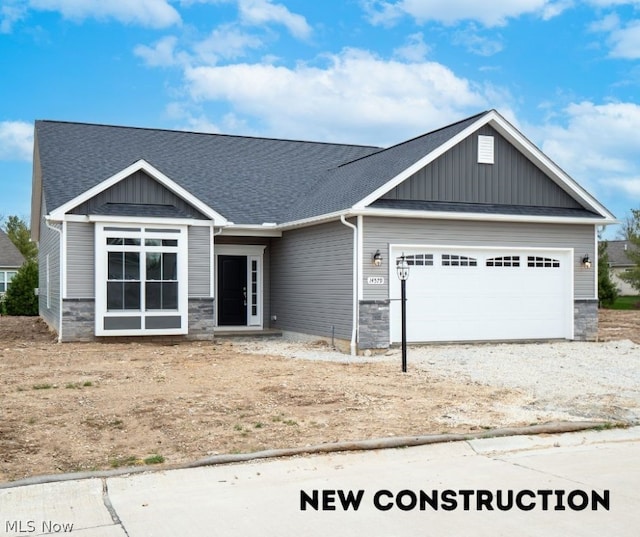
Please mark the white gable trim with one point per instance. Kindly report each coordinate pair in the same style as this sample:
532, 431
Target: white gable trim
219, 220
517, 139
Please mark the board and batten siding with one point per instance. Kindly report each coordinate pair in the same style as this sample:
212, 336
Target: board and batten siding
457, 176
381, 233
138, 188
200, 261
80, 241
311, 280
49, 249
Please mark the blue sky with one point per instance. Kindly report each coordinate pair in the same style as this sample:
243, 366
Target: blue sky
566, 73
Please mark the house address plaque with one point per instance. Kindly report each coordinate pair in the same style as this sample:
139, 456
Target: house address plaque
375, 280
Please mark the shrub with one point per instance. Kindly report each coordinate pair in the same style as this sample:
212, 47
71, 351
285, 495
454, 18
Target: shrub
20, 298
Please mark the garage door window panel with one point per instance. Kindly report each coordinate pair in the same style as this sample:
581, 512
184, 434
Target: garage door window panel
452, 260
505, 261
542, 262
418, 260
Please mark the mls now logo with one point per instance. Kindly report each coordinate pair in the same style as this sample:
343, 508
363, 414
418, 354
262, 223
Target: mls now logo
30, 526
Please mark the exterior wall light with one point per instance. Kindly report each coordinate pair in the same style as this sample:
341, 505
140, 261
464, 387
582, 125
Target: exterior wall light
376, 259
586, 262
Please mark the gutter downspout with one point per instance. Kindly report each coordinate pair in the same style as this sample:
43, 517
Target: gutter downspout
354, 330
61, 276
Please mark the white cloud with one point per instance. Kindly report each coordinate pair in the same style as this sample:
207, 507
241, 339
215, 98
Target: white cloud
598, 145
415, 49
16, 140
11, 12
630, 186
226, 42
494, 13
625, 42
357, 98
151, 13
161, 54
259, 12
476, 43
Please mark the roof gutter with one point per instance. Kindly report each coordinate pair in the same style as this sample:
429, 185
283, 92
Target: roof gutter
444, 215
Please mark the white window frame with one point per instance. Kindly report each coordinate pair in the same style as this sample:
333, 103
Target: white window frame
4, 278
145, 231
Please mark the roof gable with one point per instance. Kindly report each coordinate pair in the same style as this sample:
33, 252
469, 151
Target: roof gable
86, 198
141, 192
10, 256
474, 125
459, 176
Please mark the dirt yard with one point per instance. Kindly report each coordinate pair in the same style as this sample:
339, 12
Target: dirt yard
89, 406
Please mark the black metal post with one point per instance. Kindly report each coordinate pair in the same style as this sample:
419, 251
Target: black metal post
403, 299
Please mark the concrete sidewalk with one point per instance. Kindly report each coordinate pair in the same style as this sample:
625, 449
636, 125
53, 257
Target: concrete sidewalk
266, 498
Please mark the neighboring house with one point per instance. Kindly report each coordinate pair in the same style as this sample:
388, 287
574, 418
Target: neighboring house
10, 261
619, 263
155, 232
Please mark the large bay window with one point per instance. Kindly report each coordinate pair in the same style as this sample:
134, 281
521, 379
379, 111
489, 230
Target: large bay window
141, 280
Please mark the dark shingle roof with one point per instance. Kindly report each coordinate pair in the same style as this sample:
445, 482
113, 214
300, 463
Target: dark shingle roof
617, 252
10, 256
248, 180
349, 183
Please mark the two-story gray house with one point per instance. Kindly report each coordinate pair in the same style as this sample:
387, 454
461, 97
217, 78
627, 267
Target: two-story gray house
156, 232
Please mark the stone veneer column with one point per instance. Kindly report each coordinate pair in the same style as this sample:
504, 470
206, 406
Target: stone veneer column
78, 319
201, 318
585, 320
374, 324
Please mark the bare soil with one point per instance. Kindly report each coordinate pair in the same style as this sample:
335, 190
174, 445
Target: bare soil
88, 406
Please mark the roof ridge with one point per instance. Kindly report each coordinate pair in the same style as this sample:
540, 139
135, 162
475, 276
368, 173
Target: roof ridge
199, 133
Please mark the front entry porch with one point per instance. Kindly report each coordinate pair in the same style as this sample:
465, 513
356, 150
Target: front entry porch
239, 288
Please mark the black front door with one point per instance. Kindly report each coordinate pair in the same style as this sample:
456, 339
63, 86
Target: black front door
232, 290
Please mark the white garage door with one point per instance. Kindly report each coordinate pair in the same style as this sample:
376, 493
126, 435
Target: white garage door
470, 294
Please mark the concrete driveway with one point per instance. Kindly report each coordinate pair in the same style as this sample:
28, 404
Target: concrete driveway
582, 484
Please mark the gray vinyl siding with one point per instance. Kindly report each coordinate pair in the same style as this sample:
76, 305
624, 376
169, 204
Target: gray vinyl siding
138, 188
80, 241
311, 280
381, 233
49, 244
200, 261
456, 176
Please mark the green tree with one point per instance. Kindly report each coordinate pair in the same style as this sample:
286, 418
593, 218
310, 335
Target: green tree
632, 231
19, 233
607, 291
20, 298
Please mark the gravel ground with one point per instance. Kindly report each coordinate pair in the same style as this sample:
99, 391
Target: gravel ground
564, 380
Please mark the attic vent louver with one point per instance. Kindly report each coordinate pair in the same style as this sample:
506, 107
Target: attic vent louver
485, 149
